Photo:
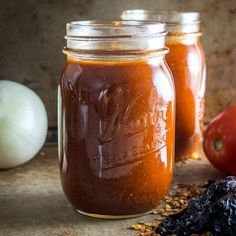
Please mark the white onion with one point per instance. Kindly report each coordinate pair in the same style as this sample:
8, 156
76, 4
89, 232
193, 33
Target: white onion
23, 124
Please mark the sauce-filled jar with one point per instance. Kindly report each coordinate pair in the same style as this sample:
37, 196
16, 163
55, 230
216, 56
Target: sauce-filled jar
186, 60
116, 111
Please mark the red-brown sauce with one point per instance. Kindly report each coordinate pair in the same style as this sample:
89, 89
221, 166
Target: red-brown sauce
187, 63
116, 135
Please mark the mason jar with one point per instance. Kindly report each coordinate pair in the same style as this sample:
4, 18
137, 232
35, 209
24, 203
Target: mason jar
116, 112
187, 63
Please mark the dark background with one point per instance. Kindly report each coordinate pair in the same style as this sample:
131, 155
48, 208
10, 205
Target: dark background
32, 37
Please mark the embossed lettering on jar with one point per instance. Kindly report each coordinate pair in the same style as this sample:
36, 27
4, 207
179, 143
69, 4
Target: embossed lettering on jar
187, 63
116, 118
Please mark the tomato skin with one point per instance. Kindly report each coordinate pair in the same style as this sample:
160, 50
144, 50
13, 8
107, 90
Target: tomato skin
221, 134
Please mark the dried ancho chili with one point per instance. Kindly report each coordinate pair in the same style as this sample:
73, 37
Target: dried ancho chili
214, 212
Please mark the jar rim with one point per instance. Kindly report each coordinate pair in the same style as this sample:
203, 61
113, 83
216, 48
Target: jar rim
168, 17
100, 30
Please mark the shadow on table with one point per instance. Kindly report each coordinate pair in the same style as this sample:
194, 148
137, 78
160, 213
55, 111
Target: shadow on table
48, 209
51, 214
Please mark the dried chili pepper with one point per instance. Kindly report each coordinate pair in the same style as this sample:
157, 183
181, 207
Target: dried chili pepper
214, 211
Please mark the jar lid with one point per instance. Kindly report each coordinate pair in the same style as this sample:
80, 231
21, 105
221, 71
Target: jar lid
113, 29
168, 17
174, 17
176, 22
115, 35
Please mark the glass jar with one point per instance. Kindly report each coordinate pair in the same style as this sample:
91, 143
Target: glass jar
116, 111
187, 63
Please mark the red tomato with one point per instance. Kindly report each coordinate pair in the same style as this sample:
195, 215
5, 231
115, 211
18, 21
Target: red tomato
220, 141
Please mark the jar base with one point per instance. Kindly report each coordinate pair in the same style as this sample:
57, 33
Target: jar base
197, 155
112, 217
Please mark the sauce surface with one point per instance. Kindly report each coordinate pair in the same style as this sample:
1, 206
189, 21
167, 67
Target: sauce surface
187, 63
116, 135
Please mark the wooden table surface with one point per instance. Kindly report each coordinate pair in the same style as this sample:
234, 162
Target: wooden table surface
32, 201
